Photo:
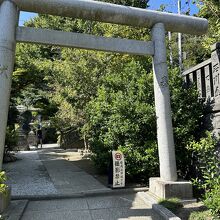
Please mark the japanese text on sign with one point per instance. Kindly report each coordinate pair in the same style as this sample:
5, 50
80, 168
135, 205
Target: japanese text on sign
118, 169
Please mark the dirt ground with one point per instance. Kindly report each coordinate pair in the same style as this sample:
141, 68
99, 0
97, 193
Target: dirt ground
85, 163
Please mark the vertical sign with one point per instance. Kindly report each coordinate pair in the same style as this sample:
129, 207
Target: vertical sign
118, 169
199, 82
216, 72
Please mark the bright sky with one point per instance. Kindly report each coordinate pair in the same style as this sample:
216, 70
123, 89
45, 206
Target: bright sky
171, 6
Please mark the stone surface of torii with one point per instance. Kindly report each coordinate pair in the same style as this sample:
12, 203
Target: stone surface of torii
159, 22
116, 14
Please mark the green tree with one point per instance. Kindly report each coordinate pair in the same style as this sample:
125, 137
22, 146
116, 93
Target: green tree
133, 3
122, 116
210, 9
118, 117
69, 81
198, 48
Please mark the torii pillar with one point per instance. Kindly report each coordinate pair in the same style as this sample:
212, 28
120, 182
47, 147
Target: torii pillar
8, 23
167, 185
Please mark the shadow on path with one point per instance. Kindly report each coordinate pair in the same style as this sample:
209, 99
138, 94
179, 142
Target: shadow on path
51, 172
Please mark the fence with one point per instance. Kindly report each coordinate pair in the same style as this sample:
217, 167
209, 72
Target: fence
206, 77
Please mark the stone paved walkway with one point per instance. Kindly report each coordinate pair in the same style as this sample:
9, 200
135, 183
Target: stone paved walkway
28, 175
45, 172
67, 177
121, 207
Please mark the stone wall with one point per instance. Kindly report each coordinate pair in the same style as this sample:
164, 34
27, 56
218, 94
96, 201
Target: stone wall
22, 143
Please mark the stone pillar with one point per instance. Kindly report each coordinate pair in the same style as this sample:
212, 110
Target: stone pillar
162, 104
8, 23
215, 57
167, 185
199, 82
208, 83
215, 114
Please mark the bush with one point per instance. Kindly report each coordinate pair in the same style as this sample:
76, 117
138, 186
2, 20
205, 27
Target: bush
11, 138
141, 162
212, 199
122, 116
3, 186
201, 215
207, 164
100, 157
205, 161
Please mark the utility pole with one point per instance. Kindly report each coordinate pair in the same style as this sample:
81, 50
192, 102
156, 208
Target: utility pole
170, 47
180, 41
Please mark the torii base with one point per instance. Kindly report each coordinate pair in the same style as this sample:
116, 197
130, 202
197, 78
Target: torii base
169, 189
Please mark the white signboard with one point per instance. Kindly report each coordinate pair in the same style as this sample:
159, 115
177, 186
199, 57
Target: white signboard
118, 169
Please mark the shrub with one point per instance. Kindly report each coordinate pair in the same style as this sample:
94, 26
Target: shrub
201, 215
207, 164
11, 138
212, 199
3, 186
141, 162
122, 116
101, 156
205, 161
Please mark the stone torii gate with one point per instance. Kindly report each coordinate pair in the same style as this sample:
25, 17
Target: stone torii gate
165, 186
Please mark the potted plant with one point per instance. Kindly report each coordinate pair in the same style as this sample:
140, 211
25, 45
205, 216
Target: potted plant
5, 193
